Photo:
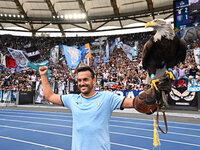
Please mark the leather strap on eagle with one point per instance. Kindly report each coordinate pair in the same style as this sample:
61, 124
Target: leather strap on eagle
143, 107
164, 117
151, 99
142, 103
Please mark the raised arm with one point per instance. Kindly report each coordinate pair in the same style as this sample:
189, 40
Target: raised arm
48, 93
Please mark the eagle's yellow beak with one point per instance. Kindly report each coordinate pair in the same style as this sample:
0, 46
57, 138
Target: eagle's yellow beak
151, 24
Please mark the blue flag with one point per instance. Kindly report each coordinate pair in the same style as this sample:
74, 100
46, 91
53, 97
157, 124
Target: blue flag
1, 68
72, 56
131, 50
86, 54
1, 94
97, 59
118, 43
112, 47
107, 52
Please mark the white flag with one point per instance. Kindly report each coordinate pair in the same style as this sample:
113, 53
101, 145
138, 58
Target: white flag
3, 60
197, 55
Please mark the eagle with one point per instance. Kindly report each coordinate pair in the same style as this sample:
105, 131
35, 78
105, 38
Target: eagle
163, 51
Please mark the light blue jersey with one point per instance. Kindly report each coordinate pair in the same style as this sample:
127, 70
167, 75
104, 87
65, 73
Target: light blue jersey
91, 119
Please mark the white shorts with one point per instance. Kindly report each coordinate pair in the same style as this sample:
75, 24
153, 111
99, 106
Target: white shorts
191, 77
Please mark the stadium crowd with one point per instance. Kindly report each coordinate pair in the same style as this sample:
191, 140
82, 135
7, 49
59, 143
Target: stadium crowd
123, 73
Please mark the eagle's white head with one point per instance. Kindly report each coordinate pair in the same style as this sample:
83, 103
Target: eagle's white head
163, 28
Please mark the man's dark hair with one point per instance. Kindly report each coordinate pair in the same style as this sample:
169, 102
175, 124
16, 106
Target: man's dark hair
86, 68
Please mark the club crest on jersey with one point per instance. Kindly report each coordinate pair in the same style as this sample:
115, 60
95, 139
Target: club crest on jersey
98, 102
77, 102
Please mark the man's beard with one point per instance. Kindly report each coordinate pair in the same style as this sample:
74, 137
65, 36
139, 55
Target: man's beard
88, 90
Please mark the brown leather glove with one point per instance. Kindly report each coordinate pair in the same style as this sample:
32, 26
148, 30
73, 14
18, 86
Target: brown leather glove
149, 96
165, 83
141, 106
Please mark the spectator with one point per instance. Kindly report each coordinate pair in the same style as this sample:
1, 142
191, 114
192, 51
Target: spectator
182, 71
175, 72
194, 74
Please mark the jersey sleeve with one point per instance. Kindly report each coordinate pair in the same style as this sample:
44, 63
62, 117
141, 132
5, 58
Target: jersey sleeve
116, 101
67, 100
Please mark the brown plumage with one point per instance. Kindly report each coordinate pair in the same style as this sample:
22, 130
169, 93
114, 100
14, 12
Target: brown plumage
164, 50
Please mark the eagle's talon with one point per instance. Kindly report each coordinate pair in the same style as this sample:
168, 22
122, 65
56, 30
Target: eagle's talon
153, 83
171, 76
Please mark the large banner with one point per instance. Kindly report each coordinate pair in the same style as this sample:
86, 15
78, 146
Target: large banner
128, 93
32, 52
118, 43
36, 66
54, 54
86, 54
39, 96
6, 96
72, 56
180, 96
131, 50
107, 52
20, 58
193, 86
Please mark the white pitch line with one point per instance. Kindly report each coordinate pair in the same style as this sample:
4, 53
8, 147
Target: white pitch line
66, 135
148, 124
32, 143
178, 142
34, 130
36, 118
54, 133
129, 146
37, 123
149, 120
69, 115
115, 125
174, 114
151, 130
113, 133
37, 114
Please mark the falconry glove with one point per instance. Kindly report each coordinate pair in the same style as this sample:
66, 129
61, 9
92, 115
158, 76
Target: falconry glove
146, 101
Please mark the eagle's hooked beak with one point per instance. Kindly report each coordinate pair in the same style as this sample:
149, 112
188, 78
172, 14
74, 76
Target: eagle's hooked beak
151, 24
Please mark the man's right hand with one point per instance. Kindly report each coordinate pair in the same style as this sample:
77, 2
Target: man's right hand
43, 70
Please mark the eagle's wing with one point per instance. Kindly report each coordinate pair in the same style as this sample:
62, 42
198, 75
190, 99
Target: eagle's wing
146, 53
181, 51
